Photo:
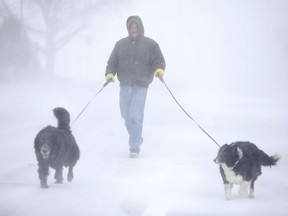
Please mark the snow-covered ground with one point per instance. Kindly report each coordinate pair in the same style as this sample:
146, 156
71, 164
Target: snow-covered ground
175, 175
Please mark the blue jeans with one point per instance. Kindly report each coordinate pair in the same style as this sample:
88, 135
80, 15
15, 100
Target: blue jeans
132, 104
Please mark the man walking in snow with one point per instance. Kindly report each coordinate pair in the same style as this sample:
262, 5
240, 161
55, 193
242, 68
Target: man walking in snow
136, 59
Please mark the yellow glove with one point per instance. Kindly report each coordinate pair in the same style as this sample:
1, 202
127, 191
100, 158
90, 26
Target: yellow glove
110, 76
159, 73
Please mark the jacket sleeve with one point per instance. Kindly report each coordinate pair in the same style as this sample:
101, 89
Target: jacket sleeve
157, 58
113, 61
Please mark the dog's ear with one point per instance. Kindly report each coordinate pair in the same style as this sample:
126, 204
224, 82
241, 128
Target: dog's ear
223, 147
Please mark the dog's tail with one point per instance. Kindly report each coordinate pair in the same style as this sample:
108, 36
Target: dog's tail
269, 160
63, 118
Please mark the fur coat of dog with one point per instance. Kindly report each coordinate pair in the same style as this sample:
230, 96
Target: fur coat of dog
56, 147
240, 163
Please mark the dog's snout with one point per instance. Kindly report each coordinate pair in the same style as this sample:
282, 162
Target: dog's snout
45, 151
216, 160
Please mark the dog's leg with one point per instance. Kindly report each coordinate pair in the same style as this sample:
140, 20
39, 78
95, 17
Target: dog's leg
43, 171
251, 192
70, 175
243, 190
58, 175
228, 190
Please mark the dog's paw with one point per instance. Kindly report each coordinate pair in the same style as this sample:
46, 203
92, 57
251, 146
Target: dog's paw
227, 197
44, 186
70, 177
59, 182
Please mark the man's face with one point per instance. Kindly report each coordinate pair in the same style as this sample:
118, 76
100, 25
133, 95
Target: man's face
134, 30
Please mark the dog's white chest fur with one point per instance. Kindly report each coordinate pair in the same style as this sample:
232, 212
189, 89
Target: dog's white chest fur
231, 176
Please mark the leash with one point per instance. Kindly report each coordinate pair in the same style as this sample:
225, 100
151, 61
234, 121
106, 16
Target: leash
162, 80
104, 85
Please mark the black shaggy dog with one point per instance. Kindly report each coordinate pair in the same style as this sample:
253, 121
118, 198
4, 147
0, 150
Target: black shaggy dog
240, 163
56, 147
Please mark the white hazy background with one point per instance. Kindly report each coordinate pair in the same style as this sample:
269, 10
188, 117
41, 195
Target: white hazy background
227, 64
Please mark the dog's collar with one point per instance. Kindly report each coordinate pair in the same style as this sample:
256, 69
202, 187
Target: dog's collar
236, 163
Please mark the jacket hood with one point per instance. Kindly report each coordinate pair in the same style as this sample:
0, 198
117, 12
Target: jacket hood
138, 21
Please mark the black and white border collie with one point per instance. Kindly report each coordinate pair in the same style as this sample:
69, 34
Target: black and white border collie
240, 163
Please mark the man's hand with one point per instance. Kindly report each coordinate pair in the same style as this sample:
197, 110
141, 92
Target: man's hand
110, 76
160, 74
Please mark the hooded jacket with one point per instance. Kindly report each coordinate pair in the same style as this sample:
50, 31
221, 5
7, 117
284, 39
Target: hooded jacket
135, 60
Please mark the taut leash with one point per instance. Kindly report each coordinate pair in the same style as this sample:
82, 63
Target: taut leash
162, 80
104, 85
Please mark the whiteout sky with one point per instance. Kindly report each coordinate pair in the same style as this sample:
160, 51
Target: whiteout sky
213, 43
